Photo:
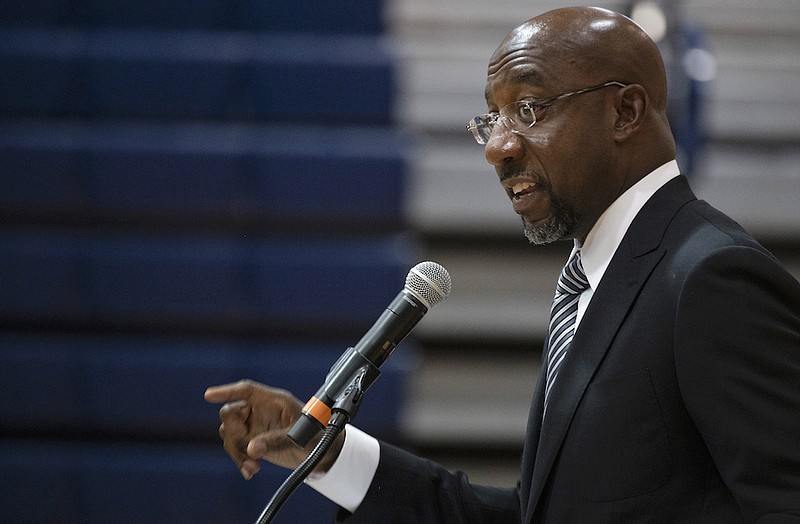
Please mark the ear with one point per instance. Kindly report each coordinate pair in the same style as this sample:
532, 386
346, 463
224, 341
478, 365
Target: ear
631, 104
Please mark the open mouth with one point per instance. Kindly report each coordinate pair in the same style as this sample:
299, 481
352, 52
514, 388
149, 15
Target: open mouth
521, 189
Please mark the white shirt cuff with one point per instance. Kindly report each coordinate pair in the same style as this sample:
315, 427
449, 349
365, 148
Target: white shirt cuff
347, 481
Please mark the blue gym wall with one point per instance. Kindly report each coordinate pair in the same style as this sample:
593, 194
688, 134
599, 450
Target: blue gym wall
190, 193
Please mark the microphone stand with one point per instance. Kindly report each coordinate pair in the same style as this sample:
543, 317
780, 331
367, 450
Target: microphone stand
343, 411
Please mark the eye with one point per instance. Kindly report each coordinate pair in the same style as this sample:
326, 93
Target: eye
526, 114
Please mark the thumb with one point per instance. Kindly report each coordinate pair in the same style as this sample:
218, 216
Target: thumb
264, 443
274, 446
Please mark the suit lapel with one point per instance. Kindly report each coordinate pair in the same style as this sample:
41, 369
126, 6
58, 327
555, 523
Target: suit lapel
631, 265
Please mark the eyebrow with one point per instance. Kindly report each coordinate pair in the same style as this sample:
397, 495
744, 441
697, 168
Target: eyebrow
527, 77
530, 77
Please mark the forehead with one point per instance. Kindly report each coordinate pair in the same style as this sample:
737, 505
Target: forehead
524, 59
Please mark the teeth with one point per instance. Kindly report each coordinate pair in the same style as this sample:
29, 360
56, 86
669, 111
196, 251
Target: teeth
520, 187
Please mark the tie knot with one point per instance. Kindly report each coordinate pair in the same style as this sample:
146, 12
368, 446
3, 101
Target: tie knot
573, 280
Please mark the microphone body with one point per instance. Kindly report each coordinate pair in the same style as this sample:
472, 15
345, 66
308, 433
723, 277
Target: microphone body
427, 284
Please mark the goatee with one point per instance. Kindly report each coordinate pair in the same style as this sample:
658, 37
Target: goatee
558, 226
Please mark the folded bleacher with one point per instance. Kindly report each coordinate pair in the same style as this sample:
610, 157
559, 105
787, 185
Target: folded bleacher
190, 194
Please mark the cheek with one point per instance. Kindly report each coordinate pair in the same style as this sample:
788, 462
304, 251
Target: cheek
567, 155
540, 142
559, 145
571, 171
554, 158
545, 155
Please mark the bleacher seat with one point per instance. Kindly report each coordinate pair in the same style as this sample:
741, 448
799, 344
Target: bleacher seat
310, 16
134, 483
151, 387
112, 410
201, 173
117, 73
275, 285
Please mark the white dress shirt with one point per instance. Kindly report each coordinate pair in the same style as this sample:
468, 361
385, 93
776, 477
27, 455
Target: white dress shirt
348, 480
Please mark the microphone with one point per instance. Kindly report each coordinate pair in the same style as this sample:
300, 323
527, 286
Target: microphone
427, 284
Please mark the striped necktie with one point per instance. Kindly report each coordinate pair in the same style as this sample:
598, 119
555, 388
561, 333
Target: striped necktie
563, 312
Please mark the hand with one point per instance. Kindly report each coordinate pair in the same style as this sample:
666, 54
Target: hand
255, 419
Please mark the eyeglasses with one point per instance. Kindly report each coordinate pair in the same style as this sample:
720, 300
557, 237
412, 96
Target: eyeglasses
521, 115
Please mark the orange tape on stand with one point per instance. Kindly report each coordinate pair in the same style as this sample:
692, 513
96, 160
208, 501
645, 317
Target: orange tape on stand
319, 410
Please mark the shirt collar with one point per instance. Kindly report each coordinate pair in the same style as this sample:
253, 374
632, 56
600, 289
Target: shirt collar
607, 233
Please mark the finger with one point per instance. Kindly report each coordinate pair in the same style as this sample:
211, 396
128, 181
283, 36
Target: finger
234, 431
234, 444
236, 391
236, 412
257, 447
249, 468
234, 427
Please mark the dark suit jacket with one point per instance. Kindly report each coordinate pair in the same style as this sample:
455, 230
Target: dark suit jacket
679, 399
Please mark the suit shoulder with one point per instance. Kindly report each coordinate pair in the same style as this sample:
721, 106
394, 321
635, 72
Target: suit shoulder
700, 235
700, 229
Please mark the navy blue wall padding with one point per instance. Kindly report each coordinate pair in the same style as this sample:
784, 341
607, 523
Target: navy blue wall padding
152, 387
302, 174
311, 285
139, 74
126, 483
190, 194
324, 16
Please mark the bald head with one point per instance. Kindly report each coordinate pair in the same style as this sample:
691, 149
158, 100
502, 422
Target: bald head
589, 44
594, 85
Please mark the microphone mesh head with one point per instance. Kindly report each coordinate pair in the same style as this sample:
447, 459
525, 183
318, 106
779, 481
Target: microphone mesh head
429, 282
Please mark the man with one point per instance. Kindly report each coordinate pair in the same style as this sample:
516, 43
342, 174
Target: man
671, 383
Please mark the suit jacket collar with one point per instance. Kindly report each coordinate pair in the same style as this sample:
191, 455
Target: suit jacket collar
632, 263
607, 233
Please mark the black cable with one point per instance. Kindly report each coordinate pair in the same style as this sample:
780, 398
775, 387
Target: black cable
343, 411
335, 426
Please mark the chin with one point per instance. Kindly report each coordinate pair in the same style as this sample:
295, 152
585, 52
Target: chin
547, 231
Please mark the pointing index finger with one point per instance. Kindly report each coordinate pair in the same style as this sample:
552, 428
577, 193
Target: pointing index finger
236, 391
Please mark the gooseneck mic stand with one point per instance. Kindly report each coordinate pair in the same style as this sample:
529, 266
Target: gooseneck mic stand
343, 411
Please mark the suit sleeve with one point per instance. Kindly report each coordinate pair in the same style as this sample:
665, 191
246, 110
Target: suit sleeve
408, 489
737, 350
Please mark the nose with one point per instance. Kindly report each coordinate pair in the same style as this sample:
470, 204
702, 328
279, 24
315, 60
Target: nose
503, 145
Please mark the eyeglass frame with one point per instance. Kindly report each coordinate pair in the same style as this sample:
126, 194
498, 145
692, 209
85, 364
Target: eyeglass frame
481, 120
